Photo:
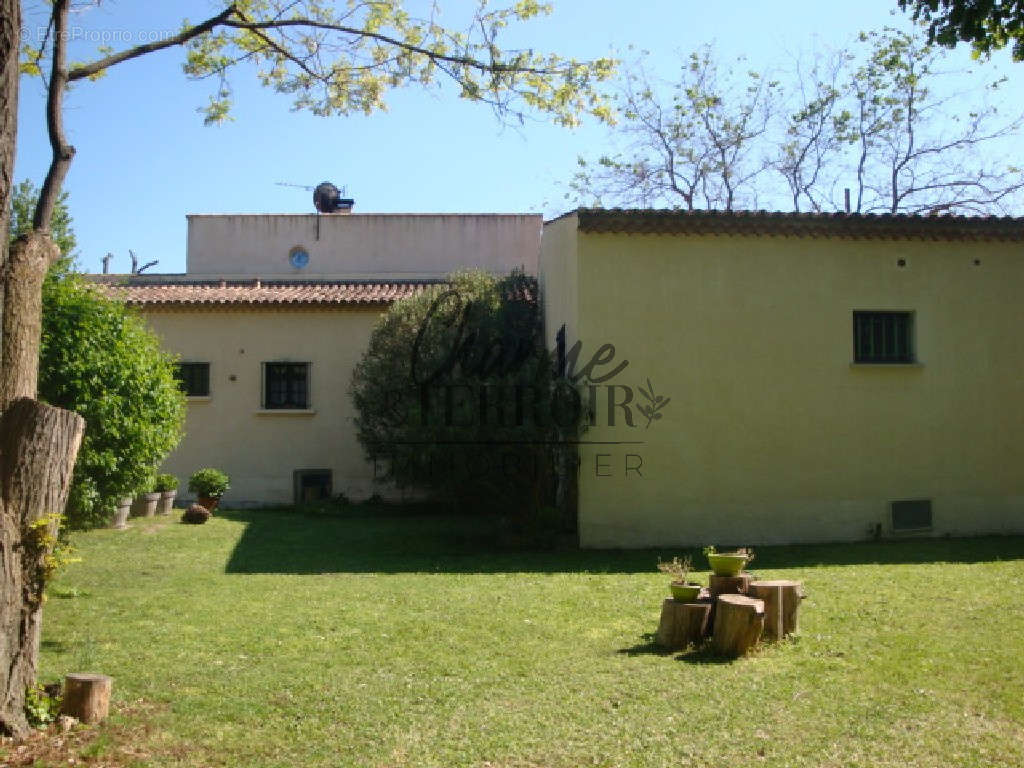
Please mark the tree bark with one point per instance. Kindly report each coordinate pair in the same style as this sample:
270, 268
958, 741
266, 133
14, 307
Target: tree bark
29, 259
38, 446
739, 621
10, 46
781, 606
682, 624
87, 697
728, 585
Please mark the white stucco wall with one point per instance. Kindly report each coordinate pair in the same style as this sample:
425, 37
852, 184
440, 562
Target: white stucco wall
362, 246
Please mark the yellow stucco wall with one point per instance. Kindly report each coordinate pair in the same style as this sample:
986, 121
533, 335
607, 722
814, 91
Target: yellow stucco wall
771, 434
559, 279
261, 450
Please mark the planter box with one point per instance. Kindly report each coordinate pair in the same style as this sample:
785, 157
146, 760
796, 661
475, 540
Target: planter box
120, 519
166, 503
145, 505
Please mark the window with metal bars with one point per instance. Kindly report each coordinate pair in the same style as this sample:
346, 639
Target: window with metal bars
883, 337
286, 386
194, 379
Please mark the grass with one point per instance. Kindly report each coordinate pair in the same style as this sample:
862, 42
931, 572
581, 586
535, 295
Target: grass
276, 639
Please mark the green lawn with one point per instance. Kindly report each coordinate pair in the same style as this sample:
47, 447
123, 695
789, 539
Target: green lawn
276, 639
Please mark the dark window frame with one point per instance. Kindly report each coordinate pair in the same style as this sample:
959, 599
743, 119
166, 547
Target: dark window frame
290, 388
302, 479
883, 337
195, 383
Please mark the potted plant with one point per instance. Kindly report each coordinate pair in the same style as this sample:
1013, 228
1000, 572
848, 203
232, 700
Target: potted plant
120, 519
167, 486
145, 503
209, 485
728, 563
682, 589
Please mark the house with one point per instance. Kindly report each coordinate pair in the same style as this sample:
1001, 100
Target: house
823, 377
272, 314
747, 377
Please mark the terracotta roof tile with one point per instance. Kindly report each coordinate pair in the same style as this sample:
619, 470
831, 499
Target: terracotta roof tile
255, 292
838, 225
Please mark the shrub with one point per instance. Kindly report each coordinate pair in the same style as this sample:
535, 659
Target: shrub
209, 482
455, 394
195, 515
165, 483
100, 359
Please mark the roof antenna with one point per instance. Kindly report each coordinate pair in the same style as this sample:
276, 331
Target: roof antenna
136, 269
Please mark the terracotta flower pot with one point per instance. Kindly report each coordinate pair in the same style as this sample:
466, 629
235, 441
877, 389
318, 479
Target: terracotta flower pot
145, 504
209, 502
166, 502
120, 519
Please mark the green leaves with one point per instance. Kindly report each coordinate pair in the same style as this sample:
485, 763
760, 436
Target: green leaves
340, 62
100, 359
987, 26
454, 394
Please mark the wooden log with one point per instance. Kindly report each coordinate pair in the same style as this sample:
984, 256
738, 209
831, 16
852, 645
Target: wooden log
739, 621
682, 624
728, 585
87, 697
781, 605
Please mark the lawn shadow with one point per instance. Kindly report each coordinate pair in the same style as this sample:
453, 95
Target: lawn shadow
646, 648
54, 646
701, 654
298, 542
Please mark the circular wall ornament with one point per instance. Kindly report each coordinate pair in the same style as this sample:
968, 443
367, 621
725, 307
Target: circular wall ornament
299, 258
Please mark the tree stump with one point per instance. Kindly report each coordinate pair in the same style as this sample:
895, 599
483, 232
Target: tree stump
728, 585
781, 606
682, 624
87, 697
739, 621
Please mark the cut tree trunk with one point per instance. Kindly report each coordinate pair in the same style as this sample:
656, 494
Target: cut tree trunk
38, 447
781, 606
728, 585
739, 621
682, 624
87, 697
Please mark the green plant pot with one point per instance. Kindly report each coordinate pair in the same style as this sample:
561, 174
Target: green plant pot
726, 563
684, 593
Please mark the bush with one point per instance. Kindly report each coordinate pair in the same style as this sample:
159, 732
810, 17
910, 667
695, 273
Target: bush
100, 359
455, 395
195, 515
209, 482
165, 483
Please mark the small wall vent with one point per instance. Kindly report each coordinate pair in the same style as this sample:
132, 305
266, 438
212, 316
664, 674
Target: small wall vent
912, 515
312, 485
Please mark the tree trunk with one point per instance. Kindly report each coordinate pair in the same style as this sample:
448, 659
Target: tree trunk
682, 624
38, 446
739, 621
28, 260
87, 697
10, 46
728, 585
781, 606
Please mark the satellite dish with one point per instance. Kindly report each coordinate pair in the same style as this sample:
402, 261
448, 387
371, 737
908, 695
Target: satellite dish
327, 199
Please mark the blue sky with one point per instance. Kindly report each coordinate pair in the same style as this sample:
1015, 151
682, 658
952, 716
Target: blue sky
145, 159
